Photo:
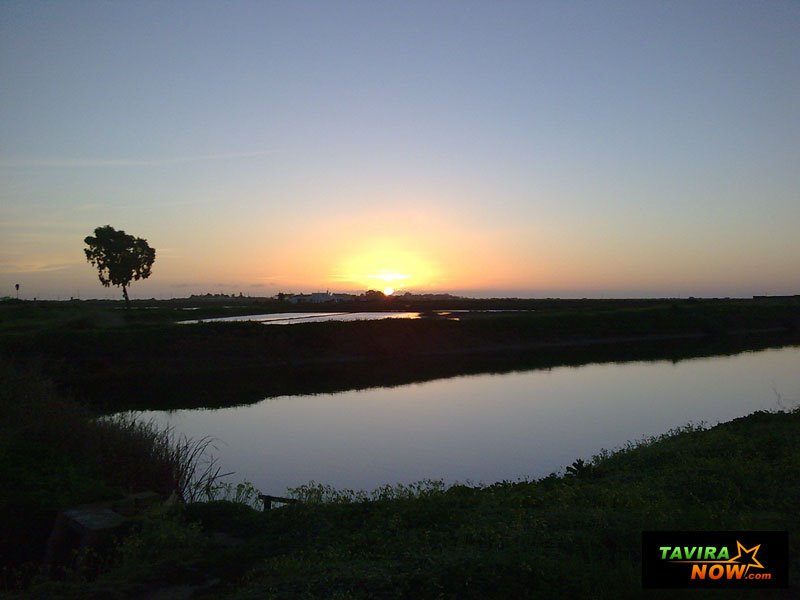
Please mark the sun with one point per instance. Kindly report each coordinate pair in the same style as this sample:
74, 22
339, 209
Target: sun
386, 266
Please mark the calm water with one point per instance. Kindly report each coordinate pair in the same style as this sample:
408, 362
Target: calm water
483, 428
313, 317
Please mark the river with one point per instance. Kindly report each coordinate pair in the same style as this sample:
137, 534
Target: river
483, 428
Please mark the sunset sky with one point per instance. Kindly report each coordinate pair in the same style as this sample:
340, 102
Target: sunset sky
527, 149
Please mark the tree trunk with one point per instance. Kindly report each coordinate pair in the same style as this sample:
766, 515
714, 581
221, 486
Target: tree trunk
125, 295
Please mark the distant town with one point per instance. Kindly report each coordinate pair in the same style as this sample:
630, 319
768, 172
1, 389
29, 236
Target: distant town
327, 297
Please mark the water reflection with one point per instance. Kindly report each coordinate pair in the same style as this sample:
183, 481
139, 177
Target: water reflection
483, 428
311, 317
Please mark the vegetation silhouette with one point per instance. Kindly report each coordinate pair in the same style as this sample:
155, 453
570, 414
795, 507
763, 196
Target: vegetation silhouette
409, 540
120, 258
157, 364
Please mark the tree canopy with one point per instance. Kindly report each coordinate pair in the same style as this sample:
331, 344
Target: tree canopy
120, 258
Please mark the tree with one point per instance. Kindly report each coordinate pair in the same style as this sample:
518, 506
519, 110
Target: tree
120, 258
374, 295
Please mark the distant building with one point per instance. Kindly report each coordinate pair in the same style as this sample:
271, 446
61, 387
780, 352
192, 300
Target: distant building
318, 298
343, 297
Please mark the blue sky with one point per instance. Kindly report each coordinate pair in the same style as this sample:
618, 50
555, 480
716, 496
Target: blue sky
518, 148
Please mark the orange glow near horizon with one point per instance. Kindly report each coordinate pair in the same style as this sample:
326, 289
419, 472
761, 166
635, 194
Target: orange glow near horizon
386, 265
414, 250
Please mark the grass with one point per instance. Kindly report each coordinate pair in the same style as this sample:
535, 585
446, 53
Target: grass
570, 536
118, 361
54, 454
149, 454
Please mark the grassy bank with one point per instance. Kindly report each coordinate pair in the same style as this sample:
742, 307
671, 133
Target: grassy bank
575, 535
53, 456
119, 359
571, 536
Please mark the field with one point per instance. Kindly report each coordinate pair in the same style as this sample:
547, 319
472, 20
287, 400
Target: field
575, 534
115, 359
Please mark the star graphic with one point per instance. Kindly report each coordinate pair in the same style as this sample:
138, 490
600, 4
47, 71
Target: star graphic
746, 556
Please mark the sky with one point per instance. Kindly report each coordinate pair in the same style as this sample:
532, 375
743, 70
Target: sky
530, 149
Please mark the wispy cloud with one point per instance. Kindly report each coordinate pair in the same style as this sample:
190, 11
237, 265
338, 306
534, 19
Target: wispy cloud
10, 268
82, 163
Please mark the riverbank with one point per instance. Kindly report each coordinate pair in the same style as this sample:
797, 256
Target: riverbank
139, 359
54, 455
576, 535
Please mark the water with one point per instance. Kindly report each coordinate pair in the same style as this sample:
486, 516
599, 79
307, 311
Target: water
312, 317
483, 428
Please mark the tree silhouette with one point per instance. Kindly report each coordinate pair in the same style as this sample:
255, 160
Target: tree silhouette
120, 258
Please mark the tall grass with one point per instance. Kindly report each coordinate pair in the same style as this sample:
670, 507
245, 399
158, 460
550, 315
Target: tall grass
153, 455
124, 451
54, 454
318, 493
